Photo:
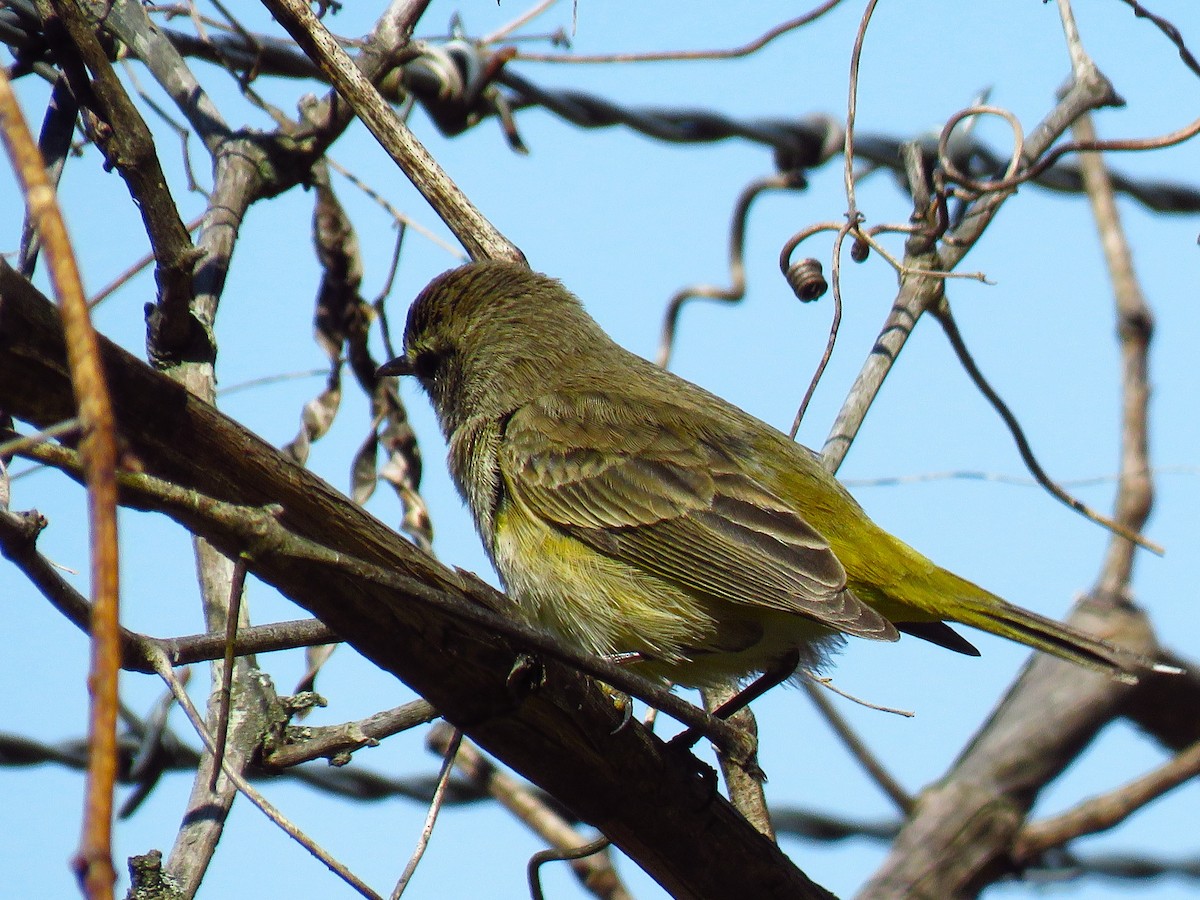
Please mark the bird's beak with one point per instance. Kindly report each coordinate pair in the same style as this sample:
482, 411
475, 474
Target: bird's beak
401, 365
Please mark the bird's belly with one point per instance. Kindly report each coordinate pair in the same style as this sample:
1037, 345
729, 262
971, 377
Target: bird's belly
604, 606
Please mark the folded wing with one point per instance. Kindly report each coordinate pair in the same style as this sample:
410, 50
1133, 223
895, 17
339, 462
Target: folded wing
625, 481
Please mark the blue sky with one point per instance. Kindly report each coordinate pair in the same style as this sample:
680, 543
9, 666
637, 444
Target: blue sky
624, 222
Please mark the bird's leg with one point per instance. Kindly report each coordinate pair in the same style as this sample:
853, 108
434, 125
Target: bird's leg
772, 677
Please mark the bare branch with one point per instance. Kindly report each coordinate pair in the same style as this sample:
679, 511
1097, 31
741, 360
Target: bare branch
93, 863
1108, 810
390, 601
477, 234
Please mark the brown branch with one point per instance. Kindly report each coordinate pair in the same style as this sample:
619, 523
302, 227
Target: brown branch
1135, 327
1107, 810
336, 742
129, 22
168, 753
1089, 90
247, 167
476, 233
562, 736
128, 146
93, 862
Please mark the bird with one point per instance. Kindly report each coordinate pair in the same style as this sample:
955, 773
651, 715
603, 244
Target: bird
637, 516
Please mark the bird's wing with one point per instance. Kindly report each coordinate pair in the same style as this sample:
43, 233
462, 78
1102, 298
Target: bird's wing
634, 487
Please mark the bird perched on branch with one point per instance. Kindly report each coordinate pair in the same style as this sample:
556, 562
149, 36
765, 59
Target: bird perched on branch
631, 512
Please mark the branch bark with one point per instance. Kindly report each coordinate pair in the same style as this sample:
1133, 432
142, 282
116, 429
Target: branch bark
563, 736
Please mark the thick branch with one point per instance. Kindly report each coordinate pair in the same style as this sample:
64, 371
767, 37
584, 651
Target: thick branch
129, 146
562, 736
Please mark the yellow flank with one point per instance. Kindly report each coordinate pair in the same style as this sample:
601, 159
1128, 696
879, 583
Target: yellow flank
606, 607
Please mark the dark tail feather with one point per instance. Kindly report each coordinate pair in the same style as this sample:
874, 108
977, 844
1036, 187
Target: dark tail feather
938, 633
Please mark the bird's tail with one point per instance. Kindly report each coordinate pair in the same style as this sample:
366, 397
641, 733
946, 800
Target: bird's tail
1053, 637
980, 609
919, 597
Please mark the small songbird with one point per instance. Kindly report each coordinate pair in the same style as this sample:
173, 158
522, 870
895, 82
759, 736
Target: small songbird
630, 512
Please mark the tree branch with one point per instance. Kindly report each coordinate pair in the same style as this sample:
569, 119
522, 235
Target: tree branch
563, 736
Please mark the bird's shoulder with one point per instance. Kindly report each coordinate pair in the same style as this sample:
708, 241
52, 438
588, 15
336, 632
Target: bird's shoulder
599, 458
589, 456
597, 415
587, 429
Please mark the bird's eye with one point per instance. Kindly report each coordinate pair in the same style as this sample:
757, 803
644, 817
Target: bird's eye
426, 364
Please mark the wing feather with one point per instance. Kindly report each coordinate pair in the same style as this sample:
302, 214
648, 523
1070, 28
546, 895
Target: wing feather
634, 488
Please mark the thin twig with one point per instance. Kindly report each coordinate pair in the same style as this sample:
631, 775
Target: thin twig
476, 233
266, 380
403, 221
1108, 810
852, 109
737, 264
435, 806
858, 749
827, 683
233, 612
672, 55
520, 21
835, 323
163, 667
945, 158
105, 292
945, 318
1169, 30
539, 859
1172, 138
93, 863
1001, 478
27, 441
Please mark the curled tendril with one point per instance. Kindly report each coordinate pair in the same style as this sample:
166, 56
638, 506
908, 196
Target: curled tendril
1014, 163
807, 280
